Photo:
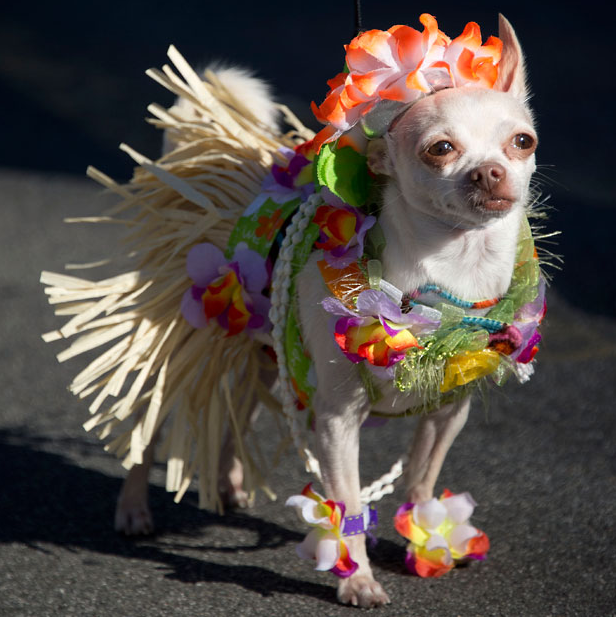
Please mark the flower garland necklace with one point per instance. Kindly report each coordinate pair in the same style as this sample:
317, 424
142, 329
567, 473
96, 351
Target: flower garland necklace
438, 349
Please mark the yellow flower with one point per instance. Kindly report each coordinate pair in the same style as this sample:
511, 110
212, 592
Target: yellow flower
468, 366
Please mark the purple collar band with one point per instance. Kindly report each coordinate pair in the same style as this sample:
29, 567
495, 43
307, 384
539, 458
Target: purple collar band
360, 523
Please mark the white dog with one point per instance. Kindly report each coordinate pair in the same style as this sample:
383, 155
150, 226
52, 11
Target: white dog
457, 165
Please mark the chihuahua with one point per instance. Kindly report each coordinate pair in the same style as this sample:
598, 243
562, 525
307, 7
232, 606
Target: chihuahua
457, 166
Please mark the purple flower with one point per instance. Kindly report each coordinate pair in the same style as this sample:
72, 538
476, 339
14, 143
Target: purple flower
229, 291
527, 320
284, 183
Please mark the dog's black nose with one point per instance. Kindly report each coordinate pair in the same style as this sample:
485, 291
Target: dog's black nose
487, 176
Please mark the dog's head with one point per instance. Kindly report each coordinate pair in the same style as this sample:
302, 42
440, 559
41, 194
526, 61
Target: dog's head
465, 155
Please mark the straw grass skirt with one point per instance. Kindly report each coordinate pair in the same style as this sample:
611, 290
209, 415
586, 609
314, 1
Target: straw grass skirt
153, 367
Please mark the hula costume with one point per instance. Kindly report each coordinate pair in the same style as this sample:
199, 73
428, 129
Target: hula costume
219, 227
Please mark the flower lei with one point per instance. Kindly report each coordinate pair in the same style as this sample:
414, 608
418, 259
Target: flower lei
325, 542
441, 349
439, 534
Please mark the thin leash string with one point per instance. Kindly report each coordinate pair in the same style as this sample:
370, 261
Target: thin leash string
358, 19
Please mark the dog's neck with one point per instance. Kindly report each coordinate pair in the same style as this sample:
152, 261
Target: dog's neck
473, 264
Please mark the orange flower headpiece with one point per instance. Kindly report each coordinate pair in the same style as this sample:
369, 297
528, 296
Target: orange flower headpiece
392, 68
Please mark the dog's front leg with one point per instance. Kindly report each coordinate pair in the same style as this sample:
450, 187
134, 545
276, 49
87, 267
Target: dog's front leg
433, 437
337, 434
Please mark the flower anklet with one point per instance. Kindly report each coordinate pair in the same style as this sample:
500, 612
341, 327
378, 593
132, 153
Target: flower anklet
440, 534
325, 542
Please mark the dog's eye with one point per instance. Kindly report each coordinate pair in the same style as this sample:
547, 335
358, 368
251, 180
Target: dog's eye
523, 141
440, 148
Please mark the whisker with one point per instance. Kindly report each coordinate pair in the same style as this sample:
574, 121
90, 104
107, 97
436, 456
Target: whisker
548, 179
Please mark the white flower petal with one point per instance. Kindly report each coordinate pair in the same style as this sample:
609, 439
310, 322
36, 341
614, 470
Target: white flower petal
460, 535
327, 552
459, 507
297, 501
429, 514
524, 371
307, 509
435, 542
307, 549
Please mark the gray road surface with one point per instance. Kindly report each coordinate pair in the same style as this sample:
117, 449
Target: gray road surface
540, 463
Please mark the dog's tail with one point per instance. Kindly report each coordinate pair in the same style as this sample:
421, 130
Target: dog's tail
238, 88
221, 140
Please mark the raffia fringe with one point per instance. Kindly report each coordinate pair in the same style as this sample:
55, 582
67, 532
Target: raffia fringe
152, 365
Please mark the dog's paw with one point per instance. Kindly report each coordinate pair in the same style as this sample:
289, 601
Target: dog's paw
230, 484
234, 498
133, 517
362, 591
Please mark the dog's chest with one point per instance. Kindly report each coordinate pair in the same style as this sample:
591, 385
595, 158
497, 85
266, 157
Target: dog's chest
470, 264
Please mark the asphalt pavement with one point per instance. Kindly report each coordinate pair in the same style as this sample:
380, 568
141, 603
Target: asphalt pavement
540, 461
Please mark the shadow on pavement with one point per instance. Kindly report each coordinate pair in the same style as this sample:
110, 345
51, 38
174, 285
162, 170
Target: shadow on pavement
78, 514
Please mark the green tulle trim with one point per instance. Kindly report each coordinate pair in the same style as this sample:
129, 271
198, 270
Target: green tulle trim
422, 371
525, 279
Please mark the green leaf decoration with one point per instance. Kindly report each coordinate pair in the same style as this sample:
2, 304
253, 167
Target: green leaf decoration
259, 228
345, 173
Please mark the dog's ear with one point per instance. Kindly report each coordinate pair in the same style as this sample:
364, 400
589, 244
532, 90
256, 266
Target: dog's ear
378, 157
511, 72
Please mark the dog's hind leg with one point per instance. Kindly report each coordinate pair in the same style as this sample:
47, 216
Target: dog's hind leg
338, 452
433, 437
133, 515
231, 474
230, 468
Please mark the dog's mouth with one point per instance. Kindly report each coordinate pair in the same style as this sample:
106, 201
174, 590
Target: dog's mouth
496, 204
478, 207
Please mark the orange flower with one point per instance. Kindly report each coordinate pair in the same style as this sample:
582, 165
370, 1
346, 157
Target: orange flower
225, 294
372, 343
440, 534
472, 62
402, 64
268, 226
342, 234
337, 227
377, 330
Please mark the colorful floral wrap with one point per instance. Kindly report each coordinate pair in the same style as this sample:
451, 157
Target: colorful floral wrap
324, 543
